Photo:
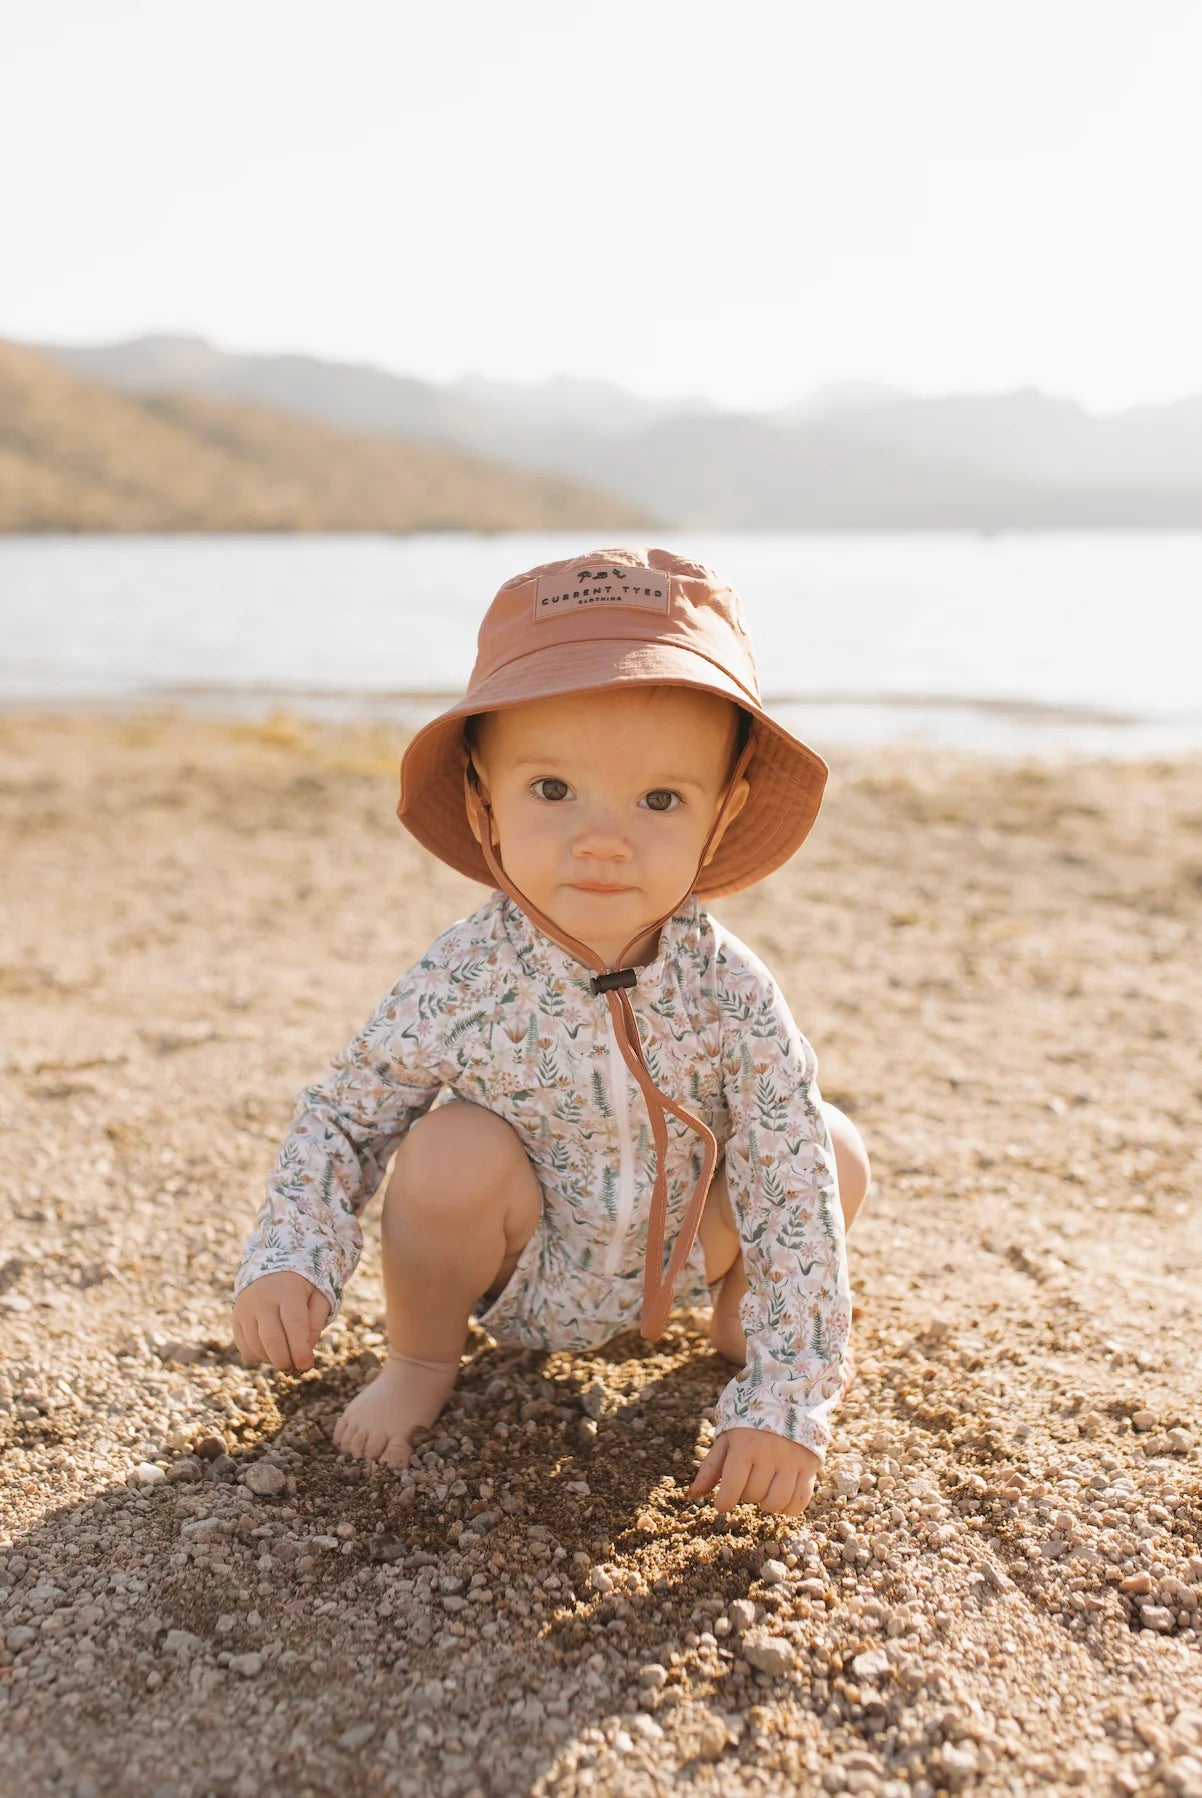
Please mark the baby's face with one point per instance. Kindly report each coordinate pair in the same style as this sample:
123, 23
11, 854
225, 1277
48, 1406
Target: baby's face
601, 803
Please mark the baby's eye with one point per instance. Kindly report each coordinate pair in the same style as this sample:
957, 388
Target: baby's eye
663, 799
560, 788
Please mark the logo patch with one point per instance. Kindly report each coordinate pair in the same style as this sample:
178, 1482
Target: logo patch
588, 586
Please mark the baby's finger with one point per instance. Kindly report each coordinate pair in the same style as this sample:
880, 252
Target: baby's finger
319, 1312
274, 1338
709, 1473
247, 1337
239, 1342
759, 1479
294, 1321
780, 1493
732, 1490
803, 1492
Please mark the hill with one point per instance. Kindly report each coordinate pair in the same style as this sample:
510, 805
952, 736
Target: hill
854, 456
76, 455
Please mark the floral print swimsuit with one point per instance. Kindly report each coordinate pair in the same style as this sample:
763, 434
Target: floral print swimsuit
498, 1014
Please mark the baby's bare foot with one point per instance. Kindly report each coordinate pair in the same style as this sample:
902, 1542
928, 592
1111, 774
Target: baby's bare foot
405, 1395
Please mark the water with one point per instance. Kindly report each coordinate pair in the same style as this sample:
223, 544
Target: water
1013, 643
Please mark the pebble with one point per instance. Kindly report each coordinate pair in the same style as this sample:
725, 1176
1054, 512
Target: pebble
1000, 1581
358, 1736
741, 1612
184, 1354
592, 1399
223, 1468
387, 1548
186, 1471
182, 1643
773, 1573
959, 1763
203, 1529
653, 1674
248, 1665
145, 1474
1157, 1616
264, 1479
769, 1654
1143, 1420
713, 1736
847, 1481
873, 1664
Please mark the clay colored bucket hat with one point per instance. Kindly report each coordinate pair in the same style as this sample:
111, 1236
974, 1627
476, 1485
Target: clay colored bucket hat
609, 618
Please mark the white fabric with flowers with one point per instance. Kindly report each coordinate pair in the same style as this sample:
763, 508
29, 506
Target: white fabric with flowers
497, 1014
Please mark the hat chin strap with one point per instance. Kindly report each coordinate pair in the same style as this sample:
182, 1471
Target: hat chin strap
658, 1281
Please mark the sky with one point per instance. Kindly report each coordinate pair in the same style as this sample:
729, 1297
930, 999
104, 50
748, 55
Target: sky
680, 196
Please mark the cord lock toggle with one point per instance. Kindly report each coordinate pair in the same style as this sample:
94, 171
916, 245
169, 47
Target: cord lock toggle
604, 983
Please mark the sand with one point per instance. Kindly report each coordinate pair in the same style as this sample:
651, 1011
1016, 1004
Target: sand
998, 1585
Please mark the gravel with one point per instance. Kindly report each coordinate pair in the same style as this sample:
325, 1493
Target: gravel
998, 1584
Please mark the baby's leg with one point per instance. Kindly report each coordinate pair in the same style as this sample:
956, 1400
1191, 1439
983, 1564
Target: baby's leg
720, 1236
461, 1205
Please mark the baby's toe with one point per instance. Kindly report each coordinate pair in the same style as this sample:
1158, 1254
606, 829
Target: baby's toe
353, 1438
396, 1452
375, 1441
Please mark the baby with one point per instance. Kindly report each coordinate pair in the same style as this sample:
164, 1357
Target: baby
598, 1100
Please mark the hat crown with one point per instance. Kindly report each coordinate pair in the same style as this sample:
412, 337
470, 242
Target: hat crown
642, 616
623, 595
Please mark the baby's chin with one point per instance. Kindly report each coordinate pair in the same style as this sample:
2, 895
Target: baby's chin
604, 924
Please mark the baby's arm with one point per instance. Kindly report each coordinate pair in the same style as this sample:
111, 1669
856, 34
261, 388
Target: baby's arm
307, 1241
796, 1314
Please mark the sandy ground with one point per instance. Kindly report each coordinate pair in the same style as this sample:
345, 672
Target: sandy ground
998, 1586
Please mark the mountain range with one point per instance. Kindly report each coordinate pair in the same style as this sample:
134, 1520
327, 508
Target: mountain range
77, 454
855, 455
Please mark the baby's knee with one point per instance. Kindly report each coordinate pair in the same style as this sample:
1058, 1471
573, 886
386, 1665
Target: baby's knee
458, 1156
852, 1165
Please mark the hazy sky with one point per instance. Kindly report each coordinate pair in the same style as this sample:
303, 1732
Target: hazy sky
679, 195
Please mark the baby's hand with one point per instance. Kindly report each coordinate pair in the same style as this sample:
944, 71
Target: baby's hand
278, 1318
758, 1467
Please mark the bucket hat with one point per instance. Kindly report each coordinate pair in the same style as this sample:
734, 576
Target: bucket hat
609, 618
605, 619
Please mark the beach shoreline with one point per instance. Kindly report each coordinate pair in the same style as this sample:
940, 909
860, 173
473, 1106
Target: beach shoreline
847, 727
999, 1582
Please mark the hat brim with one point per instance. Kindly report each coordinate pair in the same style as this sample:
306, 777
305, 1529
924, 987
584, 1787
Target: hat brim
786, 776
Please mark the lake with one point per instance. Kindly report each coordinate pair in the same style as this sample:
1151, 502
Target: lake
1013, 643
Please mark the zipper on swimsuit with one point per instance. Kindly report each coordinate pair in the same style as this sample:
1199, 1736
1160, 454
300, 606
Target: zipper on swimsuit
619, 1091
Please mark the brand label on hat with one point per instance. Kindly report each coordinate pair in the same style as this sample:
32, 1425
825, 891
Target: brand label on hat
601, 585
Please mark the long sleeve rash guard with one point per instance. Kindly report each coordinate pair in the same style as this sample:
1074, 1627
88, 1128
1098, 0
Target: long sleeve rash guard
498, 1014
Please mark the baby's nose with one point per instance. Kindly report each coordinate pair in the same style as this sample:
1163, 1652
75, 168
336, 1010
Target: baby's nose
602, 839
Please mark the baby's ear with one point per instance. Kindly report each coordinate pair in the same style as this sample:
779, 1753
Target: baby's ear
480, 787
740, 794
